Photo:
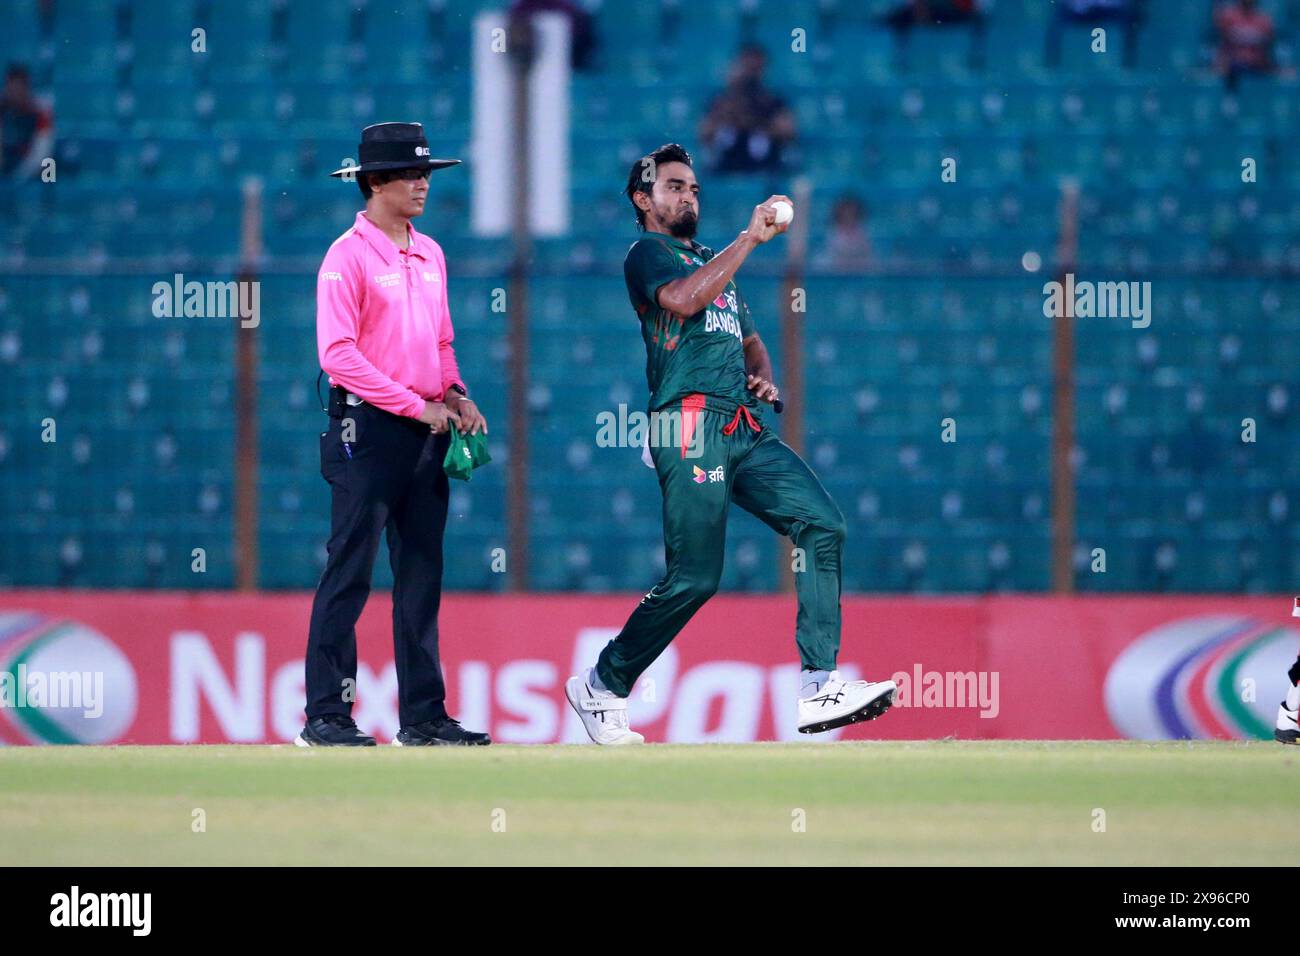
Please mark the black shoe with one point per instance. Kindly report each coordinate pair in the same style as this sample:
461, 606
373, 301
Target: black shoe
332, 730
443, 732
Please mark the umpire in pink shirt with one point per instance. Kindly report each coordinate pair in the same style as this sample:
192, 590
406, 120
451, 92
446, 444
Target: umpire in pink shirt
384, 336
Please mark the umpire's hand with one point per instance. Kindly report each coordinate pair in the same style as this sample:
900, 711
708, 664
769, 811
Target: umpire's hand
439, 417
471, 419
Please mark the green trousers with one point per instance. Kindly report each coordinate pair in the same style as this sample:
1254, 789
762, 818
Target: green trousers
729, 458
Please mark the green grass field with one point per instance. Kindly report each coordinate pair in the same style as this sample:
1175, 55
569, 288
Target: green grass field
942, 802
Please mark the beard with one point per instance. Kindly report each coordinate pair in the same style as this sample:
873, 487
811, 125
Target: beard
684, 226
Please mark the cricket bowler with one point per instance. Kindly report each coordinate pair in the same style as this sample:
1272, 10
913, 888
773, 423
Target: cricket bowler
707, 364
1287, 728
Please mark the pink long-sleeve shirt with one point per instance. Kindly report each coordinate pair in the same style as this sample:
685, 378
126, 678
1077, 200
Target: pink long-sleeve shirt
383, 328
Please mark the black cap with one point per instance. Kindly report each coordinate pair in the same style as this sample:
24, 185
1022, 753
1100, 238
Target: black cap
386, 146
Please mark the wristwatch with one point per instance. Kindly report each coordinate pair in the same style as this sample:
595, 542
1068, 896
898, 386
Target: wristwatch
458, 388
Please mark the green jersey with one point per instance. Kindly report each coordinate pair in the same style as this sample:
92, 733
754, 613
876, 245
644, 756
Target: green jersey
698, 353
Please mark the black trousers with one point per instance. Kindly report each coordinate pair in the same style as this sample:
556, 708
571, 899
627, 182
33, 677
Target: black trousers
388, 476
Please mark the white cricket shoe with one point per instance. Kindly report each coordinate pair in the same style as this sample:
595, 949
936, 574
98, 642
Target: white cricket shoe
839, 702
1287, 731
602, 712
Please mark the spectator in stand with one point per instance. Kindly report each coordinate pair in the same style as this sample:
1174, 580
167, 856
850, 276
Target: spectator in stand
1094, 13
1245, 40
910, 13
848, 247
747, 125
26, 126
582, 32
935, 13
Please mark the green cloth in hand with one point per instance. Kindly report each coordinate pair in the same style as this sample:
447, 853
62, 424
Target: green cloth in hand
464, 454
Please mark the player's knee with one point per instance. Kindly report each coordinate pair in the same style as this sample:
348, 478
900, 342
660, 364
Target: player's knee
702, 587
840, 529
834, 528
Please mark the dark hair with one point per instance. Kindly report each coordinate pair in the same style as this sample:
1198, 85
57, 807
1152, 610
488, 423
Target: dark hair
636, 181
17, 71
366, 180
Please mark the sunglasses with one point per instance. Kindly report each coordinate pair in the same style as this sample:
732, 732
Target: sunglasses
410, 174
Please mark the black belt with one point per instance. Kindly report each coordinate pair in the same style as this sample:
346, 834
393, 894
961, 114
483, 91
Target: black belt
339, 407
339, 404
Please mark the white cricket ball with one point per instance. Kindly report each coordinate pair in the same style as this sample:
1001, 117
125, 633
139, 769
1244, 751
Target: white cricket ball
784, 211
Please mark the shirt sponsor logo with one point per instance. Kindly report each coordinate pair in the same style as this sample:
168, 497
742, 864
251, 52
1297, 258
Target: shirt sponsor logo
389, 280
331, 276
432, 277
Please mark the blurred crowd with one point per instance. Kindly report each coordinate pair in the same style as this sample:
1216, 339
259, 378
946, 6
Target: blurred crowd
26, 126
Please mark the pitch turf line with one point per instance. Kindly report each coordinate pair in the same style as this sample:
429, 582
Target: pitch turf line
959, 802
